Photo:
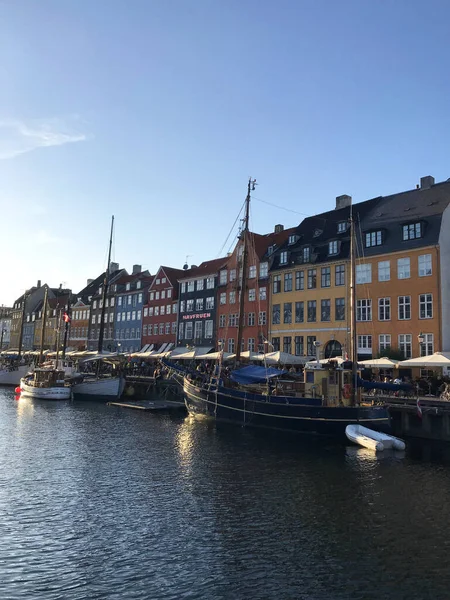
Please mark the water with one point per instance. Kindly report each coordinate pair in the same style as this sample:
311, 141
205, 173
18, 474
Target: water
102, 502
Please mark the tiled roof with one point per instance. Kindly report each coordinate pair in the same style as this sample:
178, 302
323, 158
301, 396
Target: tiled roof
208, 267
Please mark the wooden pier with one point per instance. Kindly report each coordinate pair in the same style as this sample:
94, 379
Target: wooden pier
150, 405
432, 424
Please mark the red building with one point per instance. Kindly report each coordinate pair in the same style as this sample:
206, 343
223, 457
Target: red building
256, 301
159, 325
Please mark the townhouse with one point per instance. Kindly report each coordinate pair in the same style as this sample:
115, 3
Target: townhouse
131, 295
5, 326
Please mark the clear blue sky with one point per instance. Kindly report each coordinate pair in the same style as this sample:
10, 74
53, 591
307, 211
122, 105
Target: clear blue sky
159, 110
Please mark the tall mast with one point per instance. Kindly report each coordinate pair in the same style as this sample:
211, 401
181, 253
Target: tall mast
104, 292
67, 320
44, 322
353, 341
22, 321
243, 275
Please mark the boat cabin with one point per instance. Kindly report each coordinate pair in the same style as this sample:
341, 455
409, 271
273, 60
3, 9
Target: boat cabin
44, 378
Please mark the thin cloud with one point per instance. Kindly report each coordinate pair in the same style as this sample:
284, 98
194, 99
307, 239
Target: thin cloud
18, 137
44, 237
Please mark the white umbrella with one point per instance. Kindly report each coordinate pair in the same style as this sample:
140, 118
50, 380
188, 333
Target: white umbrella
379, 363
284, 358
438, 359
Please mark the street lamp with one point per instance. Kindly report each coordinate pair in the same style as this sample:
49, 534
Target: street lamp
317, 345
119, 345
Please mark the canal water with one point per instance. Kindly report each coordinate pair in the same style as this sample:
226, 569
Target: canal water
101, 502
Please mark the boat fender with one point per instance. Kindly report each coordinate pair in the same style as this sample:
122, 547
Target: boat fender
18, 390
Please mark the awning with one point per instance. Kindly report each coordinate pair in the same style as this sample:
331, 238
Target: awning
215, 356
379, 363
438, 359
163, 348
284, 358
255, 374
145, 348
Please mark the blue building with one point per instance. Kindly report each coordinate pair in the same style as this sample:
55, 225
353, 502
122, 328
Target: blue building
131, 295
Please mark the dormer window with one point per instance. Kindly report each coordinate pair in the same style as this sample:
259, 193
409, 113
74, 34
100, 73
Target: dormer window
317, 232
373, 238
306, 254
270, 250
413, 231
283, 258
342, 227
333, 247
292, 239
127, 287
138, 285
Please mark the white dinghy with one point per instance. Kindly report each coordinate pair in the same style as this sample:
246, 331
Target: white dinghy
374, 440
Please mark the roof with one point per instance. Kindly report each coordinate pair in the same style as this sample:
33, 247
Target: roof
173, 275
208, 267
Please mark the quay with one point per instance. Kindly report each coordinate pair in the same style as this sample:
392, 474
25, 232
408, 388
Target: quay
425, 418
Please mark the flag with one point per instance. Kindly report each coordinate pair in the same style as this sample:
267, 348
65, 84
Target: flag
66, 317
419, 409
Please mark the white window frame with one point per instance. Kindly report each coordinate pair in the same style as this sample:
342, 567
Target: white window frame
364, 273
404, 268
425, 265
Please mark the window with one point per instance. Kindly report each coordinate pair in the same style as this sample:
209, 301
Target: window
168, 309
209, 302
209, 283
182, 306
405, 344
163, 280
174, 309
403, 268
188, 331
364, 310
251, 319
144, 330
208, 329
150, 329
138, 285
118, 316
174, 326
312, 279
287, 312
283, 258
222, 321
132, 333
169, 293
384, 309
425, 265
325, 310
198, 330
199, 304
310, 348
299, 280
287, 344
426, 306
156, 311
339, 275
124, 314
251, 344
384, 342
288, 282
93, 320
332, 247
299, 312
232, 274
276, 284
200, 284
342, 227
384, 270
252, 272
133, 314
111, 317
404, 308
292, 239
276, 344
339, 309
139, 298
127, 287
263, 293
145, 312
111, 302
156, 297
231, 345
264, 269
190, 286
183, 288
364, 344
119, 299
163, 310
262, 317
233, 320
180, 331
190, 305
223, 277
158, 281
223, 298
413, 231
252, 295
94, 304
373, 238
306, 254
152, 295
427, 347
364, 273
312, 308
298, 345
276, 314
326, 277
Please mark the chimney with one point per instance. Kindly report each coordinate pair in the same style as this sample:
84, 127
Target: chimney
278, 228
185, 267
426, 182
194, 266
113, 267
38, 283
136, 269
343, 201
89, 281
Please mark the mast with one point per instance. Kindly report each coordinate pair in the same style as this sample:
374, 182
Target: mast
67, 321
44, 322
353, 339
243, 277
22, 321
104, 292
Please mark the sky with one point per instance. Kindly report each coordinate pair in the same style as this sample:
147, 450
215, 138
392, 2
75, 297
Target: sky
158, 111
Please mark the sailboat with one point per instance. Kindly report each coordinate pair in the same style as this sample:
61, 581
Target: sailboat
45, 383
100, 385
254, 396
11, 368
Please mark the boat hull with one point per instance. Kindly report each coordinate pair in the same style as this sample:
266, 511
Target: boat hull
42, 393
283, 413
103, 389
13, 377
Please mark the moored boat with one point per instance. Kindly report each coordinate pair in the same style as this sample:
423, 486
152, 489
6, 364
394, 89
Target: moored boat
12, 374
45, 384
